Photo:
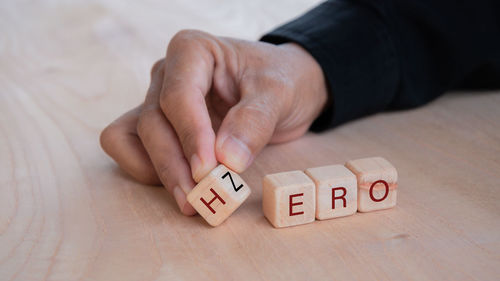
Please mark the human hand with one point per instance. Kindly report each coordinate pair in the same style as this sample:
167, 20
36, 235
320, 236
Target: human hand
215, 99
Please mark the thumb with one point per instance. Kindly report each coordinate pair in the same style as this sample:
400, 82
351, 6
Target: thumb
246, 129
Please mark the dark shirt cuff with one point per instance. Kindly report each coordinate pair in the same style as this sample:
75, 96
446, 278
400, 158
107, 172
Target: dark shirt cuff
353, 47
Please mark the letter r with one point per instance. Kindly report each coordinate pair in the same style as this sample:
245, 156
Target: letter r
342, 197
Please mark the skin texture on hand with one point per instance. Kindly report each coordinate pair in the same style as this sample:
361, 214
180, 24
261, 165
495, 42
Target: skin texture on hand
215, 100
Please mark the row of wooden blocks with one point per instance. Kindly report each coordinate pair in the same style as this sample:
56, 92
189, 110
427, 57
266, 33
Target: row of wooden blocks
297, 197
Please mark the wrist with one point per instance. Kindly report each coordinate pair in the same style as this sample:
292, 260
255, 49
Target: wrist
311, 82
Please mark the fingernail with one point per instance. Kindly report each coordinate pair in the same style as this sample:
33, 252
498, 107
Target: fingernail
184, 205
236, 153
180, 197
188, 210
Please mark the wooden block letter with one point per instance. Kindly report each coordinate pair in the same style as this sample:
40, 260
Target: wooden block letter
218, 195
288, 199
377, 183
336, 191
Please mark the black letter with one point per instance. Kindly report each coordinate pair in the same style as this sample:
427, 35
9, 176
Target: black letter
231, 178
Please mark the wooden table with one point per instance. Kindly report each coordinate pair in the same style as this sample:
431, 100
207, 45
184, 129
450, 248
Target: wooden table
67, 212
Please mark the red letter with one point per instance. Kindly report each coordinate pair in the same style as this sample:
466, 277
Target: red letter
295, 204
386, 190
216, 197
344, 191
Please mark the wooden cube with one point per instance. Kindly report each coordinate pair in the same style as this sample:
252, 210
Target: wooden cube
288, 199
377, 183
336, 191
218, 195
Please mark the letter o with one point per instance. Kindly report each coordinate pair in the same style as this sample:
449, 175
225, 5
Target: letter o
386, 190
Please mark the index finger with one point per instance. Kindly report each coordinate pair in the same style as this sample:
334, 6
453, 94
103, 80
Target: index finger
189, 69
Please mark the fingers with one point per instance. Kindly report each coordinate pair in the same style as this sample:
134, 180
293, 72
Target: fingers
188, 76
121, 142
163, 147
165, 152
245, 130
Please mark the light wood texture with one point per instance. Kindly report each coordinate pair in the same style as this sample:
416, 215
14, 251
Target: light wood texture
218, 195
336, 191
67, 213
288, 198
377, 183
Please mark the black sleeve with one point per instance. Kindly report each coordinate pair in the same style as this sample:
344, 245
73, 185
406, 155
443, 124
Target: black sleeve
394, 54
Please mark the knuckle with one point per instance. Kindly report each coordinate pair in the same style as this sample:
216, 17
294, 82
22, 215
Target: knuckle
144, 121
186, 35
189, 40
165, 102
164, 171
157, 66
109, 136
145, 175
187, 136
174, 98
141, 124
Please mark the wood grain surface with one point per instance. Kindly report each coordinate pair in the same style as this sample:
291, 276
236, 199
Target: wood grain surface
67, 68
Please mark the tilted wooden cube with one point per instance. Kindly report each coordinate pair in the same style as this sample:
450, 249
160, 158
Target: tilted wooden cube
377, 183
218, 195
336, 191
288, 199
